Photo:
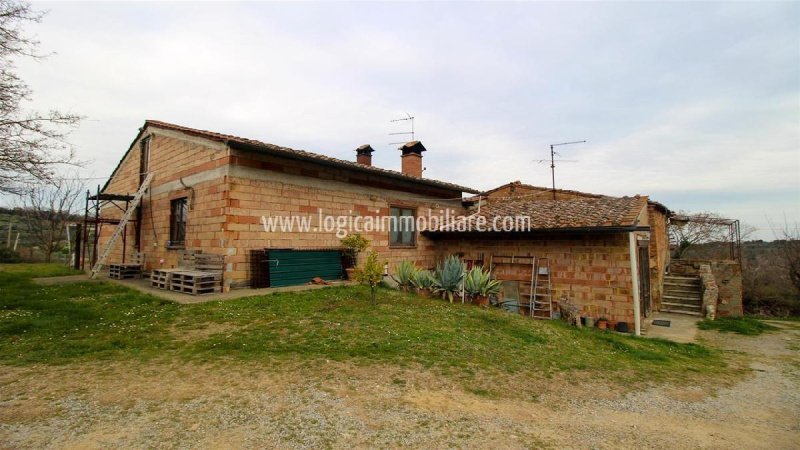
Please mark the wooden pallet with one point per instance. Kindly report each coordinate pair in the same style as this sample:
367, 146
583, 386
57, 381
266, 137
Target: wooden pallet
160, 278
124, 271
196, 282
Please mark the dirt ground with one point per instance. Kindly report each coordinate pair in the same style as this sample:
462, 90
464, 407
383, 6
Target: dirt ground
235, 405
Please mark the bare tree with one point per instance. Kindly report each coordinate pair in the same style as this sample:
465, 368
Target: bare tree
32, 144
789, 239
686, 230
47, 210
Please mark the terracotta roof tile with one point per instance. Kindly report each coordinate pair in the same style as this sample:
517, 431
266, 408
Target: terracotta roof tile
302, 154
590, 213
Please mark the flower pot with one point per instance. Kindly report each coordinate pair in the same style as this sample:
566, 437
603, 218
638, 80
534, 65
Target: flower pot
602, 324
350, 273
480, 300
424, 293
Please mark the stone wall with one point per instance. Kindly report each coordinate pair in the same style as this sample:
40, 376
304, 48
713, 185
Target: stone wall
727, 275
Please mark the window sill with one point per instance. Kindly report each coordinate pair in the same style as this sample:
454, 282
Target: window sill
176, 247
398, 246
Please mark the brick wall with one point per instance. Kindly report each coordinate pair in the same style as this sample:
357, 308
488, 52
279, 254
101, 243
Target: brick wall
589, 269
659, 253
201, 166
264, 185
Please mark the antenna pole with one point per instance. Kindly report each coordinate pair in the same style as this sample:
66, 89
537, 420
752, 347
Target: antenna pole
553, 162
553, 169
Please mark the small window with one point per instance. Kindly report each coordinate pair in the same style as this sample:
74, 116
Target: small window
402, 228
144, 161
177, 222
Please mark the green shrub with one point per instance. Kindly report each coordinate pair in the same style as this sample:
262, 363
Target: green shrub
9, 256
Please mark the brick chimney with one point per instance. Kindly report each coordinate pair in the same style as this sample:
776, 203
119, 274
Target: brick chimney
411, 161
364, 155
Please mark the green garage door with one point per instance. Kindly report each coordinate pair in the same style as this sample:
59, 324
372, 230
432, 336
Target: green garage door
293, 267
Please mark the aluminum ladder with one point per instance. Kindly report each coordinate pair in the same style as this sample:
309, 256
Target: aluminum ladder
121, 225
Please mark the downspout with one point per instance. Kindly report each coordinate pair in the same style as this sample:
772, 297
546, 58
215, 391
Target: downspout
637, 322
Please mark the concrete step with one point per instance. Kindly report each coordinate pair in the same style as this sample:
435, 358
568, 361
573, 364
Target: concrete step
695, 283
682, 289
678, 311
682, 300
680, 278
683, 295
680, 306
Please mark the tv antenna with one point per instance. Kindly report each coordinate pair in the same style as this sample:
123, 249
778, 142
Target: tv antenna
409, 118
553, 160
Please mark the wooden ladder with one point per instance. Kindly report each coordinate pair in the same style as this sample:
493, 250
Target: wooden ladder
542, 290
121, 226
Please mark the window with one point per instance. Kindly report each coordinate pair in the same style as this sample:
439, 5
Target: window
177, 222
144, 161
402, 232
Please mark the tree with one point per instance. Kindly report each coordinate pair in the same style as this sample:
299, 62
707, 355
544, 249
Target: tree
47, 210
32, 144
788, 238
371, 273
687, 230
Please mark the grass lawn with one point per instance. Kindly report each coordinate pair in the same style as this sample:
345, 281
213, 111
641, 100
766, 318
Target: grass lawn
747, 326
89, 321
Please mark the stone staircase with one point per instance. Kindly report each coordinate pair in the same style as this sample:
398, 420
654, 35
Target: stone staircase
683, 295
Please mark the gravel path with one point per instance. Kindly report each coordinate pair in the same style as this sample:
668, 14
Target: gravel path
125, 405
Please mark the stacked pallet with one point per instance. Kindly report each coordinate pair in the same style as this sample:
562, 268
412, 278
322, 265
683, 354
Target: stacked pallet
200, 274
196, 282
129, 270
124, 271
160, 278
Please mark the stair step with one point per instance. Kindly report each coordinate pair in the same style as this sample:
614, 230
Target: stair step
682, 283
680, 278
678, 311
683, 298
681, 306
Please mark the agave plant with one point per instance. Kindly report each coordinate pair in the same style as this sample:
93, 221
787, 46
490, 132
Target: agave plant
449, 276
479, 282
423, 279
404, 274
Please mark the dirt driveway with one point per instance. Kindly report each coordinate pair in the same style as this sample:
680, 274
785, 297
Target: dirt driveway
233, 405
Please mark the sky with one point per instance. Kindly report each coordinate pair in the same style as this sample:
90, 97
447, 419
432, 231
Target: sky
695, 104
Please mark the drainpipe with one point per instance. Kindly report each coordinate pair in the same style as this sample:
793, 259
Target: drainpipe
637, 322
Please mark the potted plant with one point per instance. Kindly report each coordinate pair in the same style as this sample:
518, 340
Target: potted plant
404, 275
353, 245
479, 285
602, 323
424, 282
449, 277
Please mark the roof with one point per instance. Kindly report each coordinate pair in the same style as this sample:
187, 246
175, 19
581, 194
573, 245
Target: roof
537, 190
596, 213
255, 145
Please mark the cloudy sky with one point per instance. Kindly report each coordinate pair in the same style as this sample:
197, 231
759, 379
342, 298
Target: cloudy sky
696, 105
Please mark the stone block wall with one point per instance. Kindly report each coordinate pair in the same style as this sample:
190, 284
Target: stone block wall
728, 278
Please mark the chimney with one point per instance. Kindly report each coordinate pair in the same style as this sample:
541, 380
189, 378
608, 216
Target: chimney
364, 155
411, 160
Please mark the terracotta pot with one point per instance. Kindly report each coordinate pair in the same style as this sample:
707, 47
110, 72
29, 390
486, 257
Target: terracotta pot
424, 293
480, 300
350, 272
602, 324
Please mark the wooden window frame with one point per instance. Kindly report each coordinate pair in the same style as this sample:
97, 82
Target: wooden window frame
177, 225
400, 209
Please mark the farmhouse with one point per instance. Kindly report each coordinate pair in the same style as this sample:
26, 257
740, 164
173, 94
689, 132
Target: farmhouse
217, 194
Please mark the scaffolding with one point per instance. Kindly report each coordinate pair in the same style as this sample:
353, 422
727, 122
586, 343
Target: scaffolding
93, 222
